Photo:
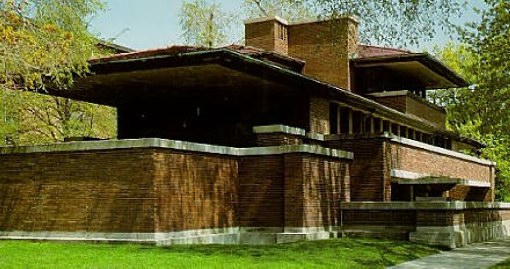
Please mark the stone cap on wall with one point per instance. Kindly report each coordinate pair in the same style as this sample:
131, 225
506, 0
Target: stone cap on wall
177, 145
411, 143
425, 205
439, 150
284, 129
413, 178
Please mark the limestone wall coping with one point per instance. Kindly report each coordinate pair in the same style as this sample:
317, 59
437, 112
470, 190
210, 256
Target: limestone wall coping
428, 205
393, 138
434, 149
177, 145
284, 129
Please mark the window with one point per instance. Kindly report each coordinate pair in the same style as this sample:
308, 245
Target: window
281, 31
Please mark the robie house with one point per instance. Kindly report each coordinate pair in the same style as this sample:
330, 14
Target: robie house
301, 134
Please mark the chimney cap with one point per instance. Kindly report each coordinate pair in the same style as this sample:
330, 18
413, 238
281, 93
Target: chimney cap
326, 19
266, 19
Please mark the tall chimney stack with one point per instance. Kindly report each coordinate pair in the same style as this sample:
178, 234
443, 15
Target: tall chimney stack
269, 34
325, 46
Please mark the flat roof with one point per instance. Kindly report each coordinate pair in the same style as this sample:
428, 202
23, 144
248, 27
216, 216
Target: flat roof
129, 77
422, 69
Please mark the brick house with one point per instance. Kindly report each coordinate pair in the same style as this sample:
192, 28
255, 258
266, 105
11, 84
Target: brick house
301, 134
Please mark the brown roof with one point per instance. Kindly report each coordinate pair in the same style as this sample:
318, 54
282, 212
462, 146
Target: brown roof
293, 63
367, 51
173, 50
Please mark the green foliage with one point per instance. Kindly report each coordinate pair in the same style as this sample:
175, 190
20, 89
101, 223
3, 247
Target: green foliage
29, 118
337, 253
286, 9
482, 111
45, 43
387, 22
204, 24
502, 265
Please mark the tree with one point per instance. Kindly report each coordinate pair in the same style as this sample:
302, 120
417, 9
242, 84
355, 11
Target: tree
46, 43
289, 10
390, 22
204, 24
481, 112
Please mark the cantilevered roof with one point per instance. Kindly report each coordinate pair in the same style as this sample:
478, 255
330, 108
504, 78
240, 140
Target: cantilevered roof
420, 70
174, 71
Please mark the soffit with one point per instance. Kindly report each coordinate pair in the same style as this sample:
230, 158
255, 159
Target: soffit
419, 70
125, 87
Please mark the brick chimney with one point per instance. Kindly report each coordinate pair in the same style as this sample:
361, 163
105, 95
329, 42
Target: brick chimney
270, 34
325, 45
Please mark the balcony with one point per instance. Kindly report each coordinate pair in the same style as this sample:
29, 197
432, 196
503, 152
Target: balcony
391, 168
420, 171
411, 104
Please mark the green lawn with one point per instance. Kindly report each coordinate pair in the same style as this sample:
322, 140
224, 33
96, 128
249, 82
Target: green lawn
335, 253
502, 265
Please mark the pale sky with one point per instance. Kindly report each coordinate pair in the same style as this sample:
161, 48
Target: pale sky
144, 24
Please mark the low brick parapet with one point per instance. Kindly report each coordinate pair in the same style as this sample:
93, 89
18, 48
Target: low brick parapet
163, 191
448, 224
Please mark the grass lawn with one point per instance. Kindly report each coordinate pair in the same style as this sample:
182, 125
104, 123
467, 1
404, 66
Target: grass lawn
334, 253
502, 265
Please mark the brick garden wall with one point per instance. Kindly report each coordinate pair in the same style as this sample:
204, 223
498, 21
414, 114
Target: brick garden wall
195, 191
261, 191
100, 191
165, 190
449, 224
314, 189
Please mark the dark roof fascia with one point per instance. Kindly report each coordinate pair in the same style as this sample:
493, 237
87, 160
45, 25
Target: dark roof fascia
116, 47
98, 67
424, 58
245, 63
294, 64
329, 90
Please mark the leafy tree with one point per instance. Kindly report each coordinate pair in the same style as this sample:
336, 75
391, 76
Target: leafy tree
481, 112
204, 24
50, 119
45, 43
287, 9
390, 22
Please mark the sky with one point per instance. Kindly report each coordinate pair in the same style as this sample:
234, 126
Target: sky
144, 24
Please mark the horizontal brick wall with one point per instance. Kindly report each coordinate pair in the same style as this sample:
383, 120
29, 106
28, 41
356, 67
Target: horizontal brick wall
414, 106
379, 217
426, 112
438, 218
99, 191
278, 139
396, 102
315, 186
479, 217
195, 191
319, 115
369, 173
261, 191
165, 190
417, 160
